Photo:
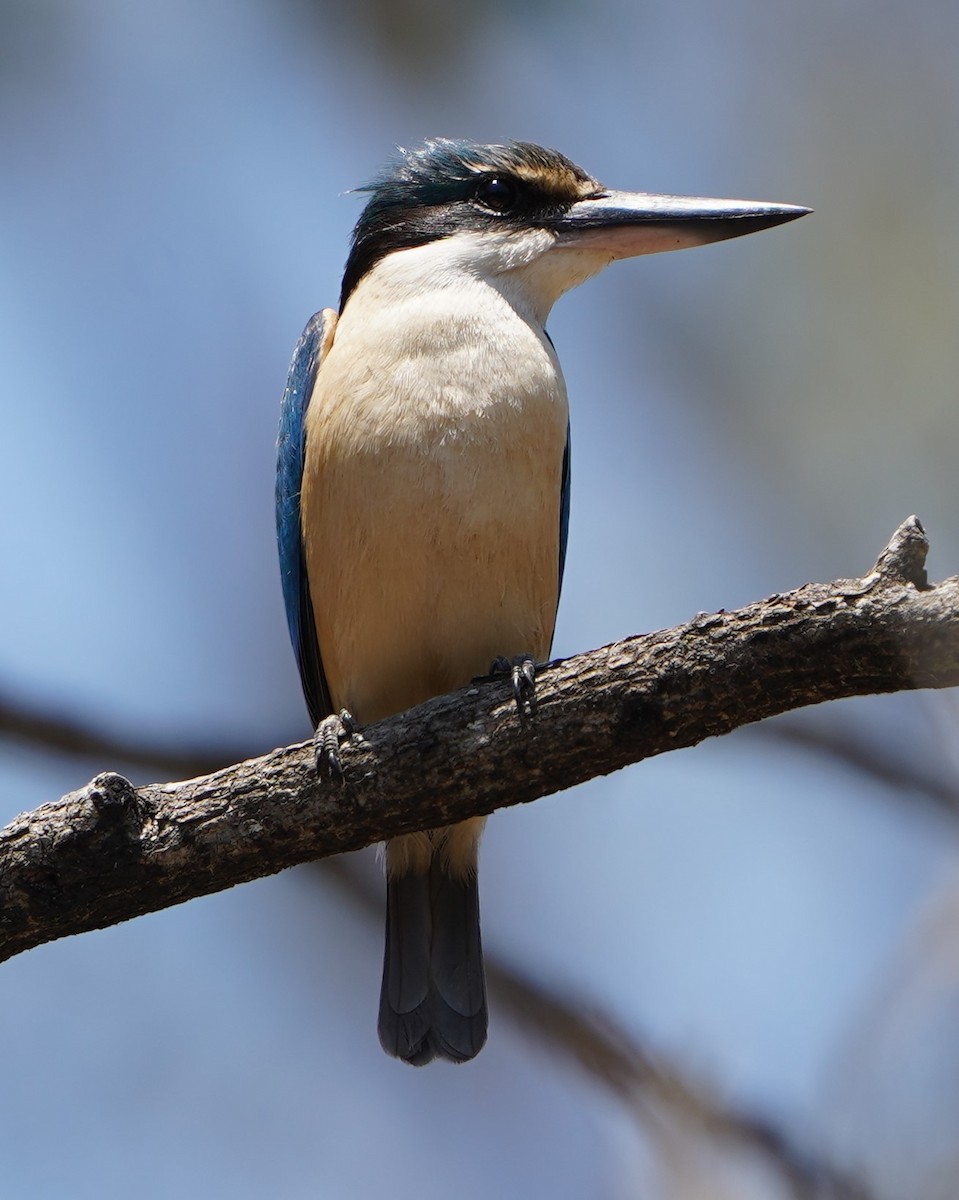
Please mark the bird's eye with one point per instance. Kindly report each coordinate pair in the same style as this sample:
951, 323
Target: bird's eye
500, 193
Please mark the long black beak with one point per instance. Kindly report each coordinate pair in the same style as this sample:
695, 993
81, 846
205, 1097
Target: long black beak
629, 223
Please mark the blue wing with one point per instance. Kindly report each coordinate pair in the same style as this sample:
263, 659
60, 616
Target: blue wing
564, 515
563, 501
289, 477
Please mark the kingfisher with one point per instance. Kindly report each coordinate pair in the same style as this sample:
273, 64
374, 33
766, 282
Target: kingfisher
423, 485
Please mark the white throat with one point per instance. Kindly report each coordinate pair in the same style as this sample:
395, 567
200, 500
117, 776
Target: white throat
525, 267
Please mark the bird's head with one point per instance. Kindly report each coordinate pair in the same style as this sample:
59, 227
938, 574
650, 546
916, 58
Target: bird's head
529, 218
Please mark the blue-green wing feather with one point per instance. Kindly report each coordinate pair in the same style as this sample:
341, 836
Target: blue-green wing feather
291, 446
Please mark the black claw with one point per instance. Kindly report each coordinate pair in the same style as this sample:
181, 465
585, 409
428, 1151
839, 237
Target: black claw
336, 728
524, 682
349, 722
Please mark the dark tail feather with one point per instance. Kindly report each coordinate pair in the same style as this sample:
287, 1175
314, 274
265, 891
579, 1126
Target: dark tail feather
457, 979
404, 1022
433, 1001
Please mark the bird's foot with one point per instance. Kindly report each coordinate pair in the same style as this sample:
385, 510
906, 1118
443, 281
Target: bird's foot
522, 673
331, 731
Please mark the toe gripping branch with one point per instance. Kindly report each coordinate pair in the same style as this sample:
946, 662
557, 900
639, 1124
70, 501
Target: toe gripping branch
331, 731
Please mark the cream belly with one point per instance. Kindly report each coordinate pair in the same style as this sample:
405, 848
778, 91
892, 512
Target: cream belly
431, 508
426, 563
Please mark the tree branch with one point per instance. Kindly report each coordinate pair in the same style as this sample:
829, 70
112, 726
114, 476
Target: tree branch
110, 851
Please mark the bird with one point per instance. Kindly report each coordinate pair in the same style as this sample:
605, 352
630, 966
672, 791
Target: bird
423, 484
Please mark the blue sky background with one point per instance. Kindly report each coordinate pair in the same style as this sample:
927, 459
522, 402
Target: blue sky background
173, 206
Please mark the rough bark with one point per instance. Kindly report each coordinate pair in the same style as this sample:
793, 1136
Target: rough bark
110, 851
